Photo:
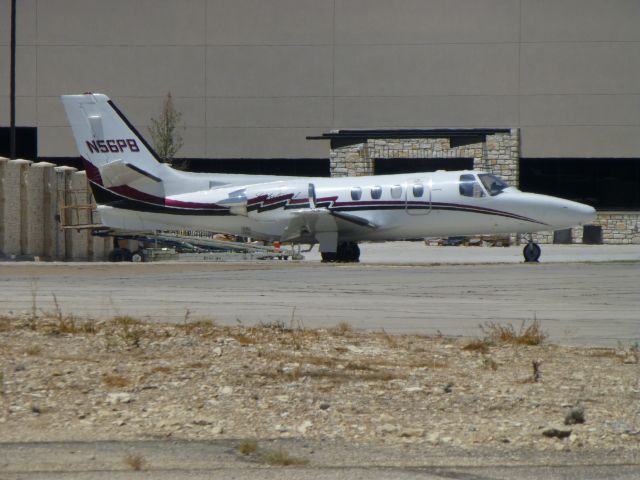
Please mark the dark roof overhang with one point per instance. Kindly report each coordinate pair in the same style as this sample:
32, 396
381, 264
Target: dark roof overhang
457, 136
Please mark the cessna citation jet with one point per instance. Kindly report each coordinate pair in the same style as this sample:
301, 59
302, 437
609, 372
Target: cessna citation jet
135, 191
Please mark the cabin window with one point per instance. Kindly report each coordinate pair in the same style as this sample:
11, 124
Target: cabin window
396, 191
376, 192
493, 184
470, 187
418, 190
356, 193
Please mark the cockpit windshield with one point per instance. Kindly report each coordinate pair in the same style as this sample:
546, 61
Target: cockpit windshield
494, 185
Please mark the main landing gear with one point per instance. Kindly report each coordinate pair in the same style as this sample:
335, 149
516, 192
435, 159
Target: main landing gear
531, 251
347, 252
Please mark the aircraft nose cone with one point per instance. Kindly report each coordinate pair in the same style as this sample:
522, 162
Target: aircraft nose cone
578, 213
587, 212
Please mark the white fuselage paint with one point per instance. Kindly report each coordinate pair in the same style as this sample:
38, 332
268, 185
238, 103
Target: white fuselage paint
441, 210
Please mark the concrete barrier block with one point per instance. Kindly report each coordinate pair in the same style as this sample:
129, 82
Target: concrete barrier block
15, 207
3, 169
50, 207
38, 223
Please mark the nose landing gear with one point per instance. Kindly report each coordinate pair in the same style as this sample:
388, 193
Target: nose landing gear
531, 251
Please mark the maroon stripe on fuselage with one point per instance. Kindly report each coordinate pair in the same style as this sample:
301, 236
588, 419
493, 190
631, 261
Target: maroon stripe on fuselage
93, 174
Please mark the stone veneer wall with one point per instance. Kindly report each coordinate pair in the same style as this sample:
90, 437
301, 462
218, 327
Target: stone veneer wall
499, 155
618, 228
29, 204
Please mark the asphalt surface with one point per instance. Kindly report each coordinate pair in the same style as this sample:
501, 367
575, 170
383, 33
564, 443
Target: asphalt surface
169, 459
589, 302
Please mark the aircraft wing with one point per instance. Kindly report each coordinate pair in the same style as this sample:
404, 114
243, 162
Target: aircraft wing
320, 222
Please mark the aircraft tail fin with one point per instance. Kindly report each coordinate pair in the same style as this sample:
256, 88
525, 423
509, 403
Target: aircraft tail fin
116, 157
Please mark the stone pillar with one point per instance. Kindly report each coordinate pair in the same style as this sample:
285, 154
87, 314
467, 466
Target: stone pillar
15, 207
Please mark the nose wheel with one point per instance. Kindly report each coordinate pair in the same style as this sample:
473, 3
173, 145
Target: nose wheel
531, 252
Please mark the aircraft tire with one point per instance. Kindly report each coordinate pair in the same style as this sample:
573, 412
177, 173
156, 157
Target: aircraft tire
531, 252
116, 255
329, 257
348, 252
137, 256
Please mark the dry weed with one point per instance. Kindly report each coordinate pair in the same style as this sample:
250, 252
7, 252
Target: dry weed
248, 447
342, 328
5, 323
130, 330
115, 381
281, 458
33, 350
135, 462
200, 327
477, 345
243, 339
391, 340
197, 365
527, 334
489, 363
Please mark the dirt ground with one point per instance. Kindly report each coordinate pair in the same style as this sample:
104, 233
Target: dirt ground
65, 378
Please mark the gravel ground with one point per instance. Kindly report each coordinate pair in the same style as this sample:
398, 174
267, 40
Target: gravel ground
67, 379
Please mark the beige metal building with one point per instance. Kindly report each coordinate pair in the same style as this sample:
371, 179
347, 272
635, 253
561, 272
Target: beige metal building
254, 78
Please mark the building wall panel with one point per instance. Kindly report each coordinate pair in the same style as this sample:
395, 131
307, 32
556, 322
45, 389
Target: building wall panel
276, 22
121, 71
268, 71
120, 22
473, 69
426, 111
580, 20
381, 22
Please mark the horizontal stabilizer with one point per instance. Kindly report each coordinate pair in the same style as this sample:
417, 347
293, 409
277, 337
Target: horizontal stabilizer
118, 173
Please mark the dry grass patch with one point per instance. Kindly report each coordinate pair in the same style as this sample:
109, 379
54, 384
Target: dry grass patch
161, 369
602, 353
391, 340
358, 366
197, 365
477, 345
115, 381
129, 329
135, 462
5, 323
203, 327
281, 458
335, 376
527, 334
342, 328
243, 339
248, 447
33, 350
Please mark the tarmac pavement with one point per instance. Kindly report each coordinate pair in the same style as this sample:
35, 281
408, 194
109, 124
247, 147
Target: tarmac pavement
417, 289
581, 294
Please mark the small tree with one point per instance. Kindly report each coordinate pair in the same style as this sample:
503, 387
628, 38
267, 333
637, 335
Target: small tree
165, 131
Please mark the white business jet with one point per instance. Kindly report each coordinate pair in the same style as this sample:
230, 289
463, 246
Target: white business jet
135, 191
